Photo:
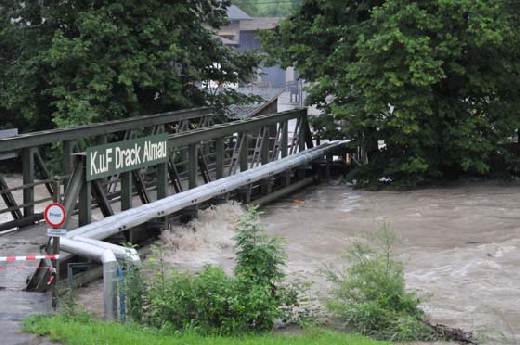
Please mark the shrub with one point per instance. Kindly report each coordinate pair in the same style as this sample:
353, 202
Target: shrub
260, 258
369, 296
211, 302
258, 271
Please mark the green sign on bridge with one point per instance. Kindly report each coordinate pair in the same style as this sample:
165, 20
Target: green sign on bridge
123, 156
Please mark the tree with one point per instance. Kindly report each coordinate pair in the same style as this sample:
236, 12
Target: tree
76, 62
437, 80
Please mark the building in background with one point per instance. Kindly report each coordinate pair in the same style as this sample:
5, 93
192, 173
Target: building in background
242, 33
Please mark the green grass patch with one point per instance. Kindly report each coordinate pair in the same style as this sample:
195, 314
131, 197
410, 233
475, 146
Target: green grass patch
86, 331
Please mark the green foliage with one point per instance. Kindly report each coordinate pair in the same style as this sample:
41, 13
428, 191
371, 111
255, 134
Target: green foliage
68, 331
370, 297
325, 127
267, 8
211, 302
260, 258
436, 80
77, 62
135, 290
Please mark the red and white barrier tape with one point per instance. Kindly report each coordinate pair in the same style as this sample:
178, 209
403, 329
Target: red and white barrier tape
28, 258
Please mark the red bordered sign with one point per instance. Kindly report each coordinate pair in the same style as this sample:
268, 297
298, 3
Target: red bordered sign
54, 215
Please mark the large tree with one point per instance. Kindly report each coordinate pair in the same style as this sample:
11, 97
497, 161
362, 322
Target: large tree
437, 80
74, 62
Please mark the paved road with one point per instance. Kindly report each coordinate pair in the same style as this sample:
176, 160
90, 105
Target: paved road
16, 304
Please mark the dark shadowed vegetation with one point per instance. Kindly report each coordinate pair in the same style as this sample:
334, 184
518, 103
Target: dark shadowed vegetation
435, 82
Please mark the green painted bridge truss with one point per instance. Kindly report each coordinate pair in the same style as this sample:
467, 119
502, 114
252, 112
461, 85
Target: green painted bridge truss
203, 146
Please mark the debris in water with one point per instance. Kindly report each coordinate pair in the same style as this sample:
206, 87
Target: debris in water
454, 334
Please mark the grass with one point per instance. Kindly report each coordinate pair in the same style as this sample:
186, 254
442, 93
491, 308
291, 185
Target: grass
87, 331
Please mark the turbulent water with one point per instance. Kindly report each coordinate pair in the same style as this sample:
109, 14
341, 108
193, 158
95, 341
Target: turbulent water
207, 240
460, 246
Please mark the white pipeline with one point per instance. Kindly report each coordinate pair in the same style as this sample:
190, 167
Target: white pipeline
136, 216
109, 261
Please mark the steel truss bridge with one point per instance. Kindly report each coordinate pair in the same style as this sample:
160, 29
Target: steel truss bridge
255, 159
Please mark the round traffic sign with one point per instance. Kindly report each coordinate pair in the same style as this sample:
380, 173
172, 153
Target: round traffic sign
54, 215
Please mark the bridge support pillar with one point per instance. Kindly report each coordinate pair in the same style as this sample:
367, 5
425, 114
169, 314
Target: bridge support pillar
162, 181
286, 176
244, 152
220, 157
85, 202
126, 191
192, 165
266, 185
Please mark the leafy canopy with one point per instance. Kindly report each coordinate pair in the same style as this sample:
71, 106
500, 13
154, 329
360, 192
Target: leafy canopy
77, 62
437, 80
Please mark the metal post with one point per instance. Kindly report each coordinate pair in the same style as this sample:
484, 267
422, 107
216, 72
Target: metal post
302, 132
286, 176
122, 294
55, 245
264, 159
220, 156
244, 152
285, 138
126, 191
110, 287
68, 159
28, 179
85, 198
245, 193
192, 165
162, 181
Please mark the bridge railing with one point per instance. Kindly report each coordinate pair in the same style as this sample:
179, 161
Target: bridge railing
28, 151
196, 157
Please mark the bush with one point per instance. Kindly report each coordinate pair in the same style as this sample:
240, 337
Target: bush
260, 258
369, 295
211, 302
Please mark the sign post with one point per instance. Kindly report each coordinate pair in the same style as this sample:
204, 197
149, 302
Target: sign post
55, 216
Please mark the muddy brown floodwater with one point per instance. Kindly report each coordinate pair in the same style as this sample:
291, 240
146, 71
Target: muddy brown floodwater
460, 245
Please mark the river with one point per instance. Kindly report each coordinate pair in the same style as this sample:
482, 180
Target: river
460, 245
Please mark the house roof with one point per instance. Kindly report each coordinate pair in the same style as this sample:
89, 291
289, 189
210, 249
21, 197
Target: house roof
244, 111
235, 13
259, 23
